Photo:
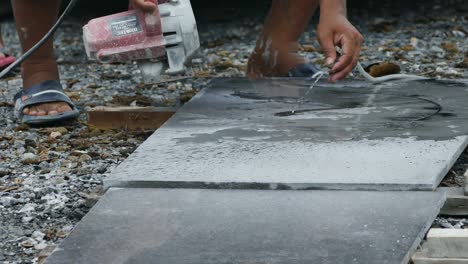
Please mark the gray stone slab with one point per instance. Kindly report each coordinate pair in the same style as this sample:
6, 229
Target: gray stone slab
197, 226
352, 135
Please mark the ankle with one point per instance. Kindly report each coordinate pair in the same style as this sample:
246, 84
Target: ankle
273, 51
36, 72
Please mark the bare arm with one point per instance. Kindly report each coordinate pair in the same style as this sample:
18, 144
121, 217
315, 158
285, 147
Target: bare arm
334, 29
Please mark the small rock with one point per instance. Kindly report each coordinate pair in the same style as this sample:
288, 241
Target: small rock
61, 130
28, 243
38, 235
30, 158
464, 63
27, 219
28, 208
53, 154
437, 49
101, 169
85, 158
76, 214
55, 135
40, 246
458, 33
45, 171
7, 201
450, 47
84, 171
172, 87
69, 164
91, 199
73, 158
19, 144
197, 61
4, 171
31, 141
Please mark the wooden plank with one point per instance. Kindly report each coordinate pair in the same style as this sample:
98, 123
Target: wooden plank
455, 206
421, 258
446, 243
129, 117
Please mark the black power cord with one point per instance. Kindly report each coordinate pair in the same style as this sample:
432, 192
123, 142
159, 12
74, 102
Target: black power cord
42, 41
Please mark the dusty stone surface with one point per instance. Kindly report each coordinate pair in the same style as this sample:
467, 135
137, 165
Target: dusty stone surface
181, 226
352, 135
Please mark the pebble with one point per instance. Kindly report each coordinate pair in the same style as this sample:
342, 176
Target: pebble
55, 135
28, 243
91, 199
61, 130
85, 158
27, 219
101, 169
31, 140
7, 201
28, 208
4, 172
38, 235
40, 246
30, 158
172, 87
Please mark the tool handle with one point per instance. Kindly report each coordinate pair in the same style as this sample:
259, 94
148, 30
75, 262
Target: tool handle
152, 21
131, 7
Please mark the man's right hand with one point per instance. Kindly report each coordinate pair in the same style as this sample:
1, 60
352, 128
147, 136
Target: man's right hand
334, 29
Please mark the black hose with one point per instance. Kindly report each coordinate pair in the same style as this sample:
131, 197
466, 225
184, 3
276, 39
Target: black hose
42, 41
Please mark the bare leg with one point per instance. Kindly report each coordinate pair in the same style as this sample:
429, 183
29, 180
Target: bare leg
33, 20
2, 44
276, 50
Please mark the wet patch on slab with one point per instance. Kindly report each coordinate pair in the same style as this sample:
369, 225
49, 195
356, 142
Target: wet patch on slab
355, 110
352, 135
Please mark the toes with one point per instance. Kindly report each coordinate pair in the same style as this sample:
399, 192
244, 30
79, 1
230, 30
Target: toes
33, 111
64, 107
41, 111
47, 109
57, 108
37, 110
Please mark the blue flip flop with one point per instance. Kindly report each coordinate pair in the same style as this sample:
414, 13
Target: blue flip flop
303, 71
44, 92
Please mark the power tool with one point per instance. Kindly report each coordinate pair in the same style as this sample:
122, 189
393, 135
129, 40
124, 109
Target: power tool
161, 42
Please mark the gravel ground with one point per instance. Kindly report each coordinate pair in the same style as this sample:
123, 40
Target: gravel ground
50, 177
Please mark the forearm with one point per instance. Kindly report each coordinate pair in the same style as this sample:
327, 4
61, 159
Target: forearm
332, 7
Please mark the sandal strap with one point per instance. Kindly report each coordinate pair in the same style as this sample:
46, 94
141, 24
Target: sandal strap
44, 92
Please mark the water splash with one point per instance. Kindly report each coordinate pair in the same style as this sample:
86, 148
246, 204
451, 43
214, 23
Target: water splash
317, 76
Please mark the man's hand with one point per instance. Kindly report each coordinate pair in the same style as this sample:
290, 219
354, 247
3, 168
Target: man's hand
143, 5
335, 30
